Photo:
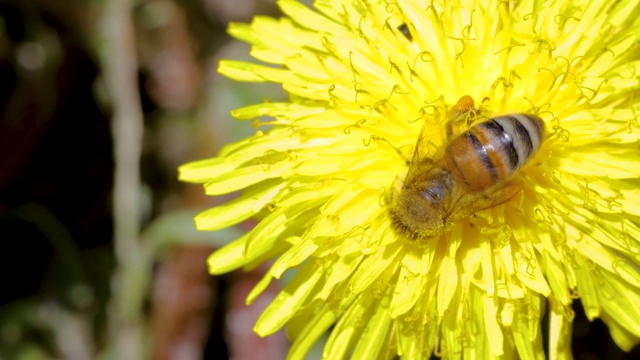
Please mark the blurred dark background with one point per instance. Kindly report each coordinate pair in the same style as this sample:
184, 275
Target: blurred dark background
57, 259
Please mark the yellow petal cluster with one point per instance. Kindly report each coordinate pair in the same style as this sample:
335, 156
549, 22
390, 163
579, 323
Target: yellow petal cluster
363, 77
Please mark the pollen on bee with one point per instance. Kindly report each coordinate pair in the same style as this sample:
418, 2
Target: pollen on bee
464, 105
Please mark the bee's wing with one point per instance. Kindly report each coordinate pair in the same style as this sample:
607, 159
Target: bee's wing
464, 204
438, 130
430, 144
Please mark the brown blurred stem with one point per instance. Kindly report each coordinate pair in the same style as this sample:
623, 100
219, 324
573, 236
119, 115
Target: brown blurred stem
119, 62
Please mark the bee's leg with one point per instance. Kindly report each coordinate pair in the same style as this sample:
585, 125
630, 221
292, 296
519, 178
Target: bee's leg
455, 127
459, 112
450, 129
505, 194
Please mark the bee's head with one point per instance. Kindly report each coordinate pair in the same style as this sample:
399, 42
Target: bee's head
417, 213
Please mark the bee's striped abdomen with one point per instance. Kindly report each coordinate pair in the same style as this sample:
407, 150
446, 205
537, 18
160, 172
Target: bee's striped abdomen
490, 152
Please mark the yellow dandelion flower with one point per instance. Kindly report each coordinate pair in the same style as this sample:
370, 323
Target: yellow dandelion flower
377, 88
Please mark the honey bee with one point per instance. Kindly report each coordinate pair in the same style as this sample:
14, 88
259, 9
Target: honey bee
472, 172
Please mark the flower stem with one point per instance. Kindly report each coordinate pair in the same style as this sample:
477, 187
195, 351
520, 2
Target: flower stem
119, 60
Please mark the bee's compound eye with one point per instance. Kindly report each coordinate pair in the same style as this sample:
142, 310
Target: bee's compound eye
434, 193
